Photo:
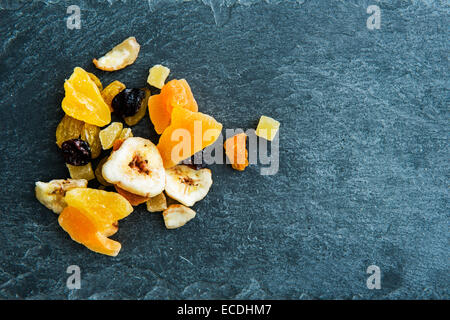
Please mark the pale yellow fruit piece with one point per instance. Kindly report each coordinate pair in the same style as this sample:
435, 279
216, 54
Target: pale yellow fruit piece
126, 133
267, 128
110, 134
81, 172
120, 56
177, 215
157, 76
157, 203
51, 194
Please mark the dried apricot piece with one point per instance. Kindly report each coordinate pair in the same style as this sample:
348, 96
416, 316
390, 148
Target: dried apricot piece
174, 149
81, 172
267, 128
120, 56
157, 75
134, 119
96, 80
102, 207
82, 230
90, 134
157, 203
83, 100
68, 128
236, 151
112, 90
110, 134
175, 93
132, 198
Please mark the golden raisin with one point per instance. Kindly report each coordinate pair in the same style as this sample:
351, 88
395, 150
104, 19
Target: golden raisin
90, 134
113, 89
96, 80
69, 128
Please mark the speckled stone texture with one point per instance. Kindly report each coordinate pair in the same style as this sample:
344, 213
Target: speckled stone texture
364, 156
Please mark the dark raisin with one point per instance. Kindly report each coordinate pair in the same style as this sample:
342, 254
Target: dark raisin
76, 152
195, 161
128, 101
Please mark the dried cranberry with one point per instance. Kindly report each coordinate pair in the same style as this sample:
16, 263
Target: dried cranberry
76, 152
127, 102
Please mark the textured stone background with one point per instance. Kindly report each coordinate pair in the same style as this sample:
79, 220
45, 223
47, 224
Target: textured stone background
364, 151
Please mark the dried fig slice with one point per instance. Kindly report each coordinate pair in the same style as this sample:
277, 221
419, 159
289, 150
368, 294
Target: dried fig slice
120, 56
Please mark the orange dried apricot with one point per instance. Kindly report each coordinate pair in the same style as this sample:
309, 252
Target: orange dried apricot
83, 100
188, 133
236, 151
82, 230
102, 207
117, 144
175, 93
132, 198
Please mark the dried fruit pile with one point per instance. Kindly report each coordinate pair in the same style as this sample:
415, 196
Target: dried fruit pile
136, 170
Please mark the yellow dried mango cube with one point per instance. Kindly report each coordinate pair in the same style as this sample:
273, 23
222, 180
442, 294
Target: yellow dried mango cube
158, 75
267, 128
110, 134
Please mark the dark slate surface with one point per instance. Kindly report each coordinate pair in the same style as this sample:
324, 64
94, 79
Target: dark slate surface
364, 158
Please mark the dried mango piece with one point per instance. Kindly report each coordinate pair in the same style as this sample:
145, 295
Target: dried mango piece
102, 207
98, 173
110, 134
96, 80
81, 172
90, 134
157, 76
267, 128
82, 230
112, 90
132, 198
83, 100
69, 128
134, 119
236, 151
157, 203
120, 56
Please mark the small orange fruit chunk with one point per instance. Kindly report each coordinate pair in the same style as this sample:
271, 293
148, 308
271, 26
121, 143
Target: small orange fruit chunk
83, 100
102, 207
132, 198
188, 133
236, 151
82, 230
175, 93
120, 56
